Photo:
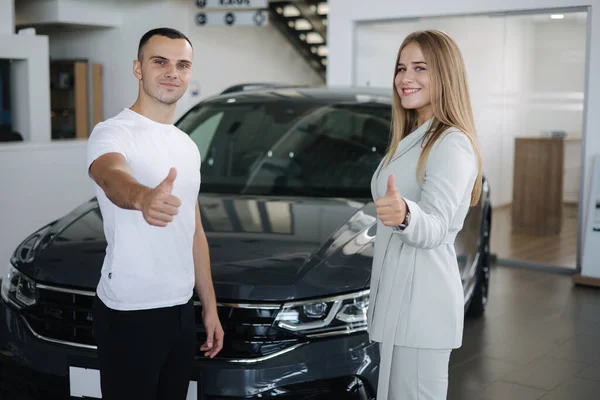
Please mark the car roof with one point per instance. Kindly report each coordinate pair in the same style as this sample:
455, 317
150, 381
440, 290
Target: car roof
310, 94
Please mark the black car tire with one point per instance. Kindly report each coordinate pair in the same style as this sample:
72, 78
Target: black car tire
480, 295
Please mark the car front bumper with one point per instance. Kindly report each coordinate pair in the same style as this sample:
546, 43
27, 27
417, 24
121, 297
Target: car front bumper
343, 367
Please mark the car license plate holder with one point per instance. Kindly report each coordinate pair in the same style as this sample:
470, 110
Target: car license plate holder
84, 383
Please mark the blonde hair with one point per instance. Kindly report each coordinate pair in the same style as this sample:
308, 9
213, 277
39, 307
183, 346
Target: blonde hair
449, 99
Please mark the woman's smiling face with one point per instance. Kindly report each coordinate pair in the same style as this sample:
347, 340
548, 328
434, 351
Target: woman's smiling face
412, 81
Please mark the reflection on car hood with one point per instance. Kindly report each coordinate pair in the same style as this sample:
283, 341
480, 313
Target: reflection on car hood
261, 249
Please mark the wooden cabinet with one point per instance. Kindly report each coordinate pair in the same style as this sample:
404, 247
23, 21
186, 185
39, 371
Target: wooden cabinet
572, 175
97, 111
70, 98
538, 185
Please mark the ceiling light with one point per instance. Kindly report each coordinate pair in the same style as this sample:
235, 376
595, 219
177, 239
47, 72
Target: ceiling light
557, 16
322, 51
291, 11
303, 25
314, 37
322, 8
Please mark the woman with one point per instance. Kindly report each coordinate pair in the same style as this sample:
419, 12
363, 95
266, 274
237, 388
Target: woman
423, 188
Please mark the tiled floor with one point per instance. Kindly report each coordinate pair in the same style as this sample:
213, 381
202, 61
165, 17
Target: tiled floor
539, 339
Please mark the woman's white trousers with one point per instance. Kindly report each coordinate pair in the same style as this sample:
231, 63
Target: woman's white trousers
418, 374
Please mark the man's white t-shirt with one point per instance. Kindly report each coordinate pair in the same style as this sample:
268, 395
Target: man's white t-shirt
147, 266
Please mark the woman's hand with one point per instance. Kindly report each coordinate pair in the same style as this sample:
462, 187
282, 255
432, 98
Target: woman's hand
391, 208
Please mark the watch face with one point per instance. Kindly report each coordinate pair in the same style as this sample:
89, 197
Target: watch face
406, 220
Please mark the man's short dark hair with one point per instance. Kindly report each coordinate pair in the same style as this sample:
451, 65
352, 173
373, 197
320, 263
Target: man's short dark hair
166, 32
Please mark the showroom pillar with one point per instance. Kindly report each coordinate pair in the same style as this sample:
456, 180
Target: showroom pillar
7, 17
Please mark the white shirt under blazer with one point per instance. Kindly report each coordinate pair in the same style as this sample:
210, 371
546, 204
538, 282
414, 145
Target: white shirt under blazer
416, 297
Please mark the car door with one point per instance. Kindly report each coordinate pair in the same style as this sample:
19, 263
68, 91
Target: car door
467, 247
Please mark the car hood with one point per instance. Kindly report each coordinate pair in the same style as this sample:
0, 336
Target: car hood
261, 249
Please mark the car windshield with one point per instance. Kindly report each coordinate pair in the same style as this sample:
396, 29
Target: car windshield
289, 148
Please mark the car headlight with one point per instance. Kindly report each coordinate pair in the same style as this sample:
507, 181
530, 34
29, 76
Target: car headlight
18, 289
327, 316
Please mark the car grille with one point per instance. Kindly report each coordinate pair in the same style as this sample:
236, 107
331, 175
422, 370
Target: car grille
249, 332
62, 316
66, 317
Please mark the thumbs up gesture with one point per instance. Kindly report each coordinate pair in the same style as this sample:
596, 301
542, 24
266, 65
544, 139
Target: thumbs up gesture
159, 206
391, 208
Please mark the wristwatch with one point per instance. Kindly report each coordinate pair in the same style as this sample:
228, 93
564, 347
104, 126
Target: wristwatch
406, 221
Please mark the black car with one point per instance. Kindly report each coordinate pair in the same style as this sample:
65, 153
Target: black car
286, 204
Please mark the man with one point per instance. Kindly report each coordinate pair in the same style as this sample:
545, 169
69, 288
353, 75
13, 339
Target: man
146, 173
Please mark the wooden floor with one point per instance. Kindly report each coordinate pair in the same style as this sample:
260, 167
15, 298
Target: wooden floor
560, 250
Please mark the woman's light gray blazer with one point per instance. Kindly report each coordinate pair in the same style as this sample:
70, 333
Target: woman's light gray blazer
416, 297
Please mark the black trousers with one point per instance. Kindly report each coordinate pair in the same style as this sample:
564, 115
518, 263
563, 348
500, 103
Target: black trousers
146, 354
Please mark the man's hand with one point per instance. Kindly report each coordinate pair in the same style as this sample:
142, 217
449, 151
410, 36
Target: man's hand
214, 334
159, 206
391, 208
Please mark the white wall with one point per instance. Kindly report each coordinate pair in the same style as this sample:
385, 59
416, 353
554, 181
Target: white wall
559, 81
46, 181
39, 183
91, 13
558, 87
6, 17
345, 14
517, 42
559, 55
